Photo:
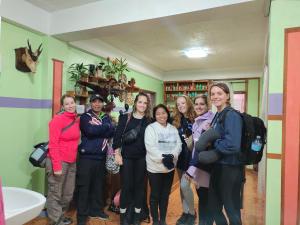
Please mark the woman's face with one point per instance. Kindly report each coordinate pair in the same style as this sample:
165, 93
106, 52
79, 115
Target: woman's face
181, 105
218, 97
161, 116
200, 106
69, 105
141, 104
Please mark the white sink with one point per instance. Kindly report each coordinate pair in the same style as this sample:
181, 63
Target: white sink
21, 205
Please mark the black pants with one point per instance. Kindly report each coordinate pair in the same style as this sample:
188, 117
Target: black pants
133, 172
160, 184
205, 217
225, 190
89, 183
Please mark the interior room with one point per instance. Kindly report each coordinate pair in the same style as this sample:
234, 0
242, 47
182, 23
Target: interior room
165, 49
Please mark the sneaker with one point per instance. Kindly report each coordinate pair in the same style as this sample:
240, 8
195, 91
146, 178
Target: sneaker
67, 221
101, 216
190, 219
182, 219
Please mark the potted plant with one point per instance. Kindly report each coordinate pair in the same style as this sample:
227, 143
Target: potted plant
77, 72
109, 68
121, 67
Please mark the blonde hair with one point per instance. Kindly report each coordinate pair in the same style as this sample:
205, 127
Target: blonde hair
190, 112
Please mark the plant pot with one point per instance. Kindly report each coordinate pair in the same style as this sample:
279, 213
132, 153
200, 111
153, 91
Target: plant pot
83, 91
71, 93
99, 73
84, 78
77, 90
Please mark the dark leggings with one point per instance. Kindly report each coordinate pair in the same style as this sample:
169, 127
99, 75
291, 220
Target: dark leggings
225, 190
160, 184
133, 172
203, 211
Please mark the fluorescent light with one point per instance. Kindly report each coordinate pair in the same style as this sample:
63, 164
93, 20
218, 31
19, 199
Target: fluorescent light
196, 52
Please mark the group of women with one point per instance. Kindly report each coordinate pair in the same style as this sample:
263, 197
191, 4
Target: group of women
164, 144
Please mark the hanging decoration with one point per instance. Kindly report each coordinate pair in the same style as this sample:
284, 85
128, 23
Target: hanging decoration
26, 59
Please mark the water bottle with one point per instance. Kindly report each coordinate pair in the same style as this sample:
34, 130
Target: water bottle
256, 144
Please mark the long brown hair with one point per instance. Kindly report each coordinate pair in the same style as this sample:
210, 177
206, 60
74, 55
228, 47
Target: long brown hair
148, 109
224, 87
190, 112
205, 99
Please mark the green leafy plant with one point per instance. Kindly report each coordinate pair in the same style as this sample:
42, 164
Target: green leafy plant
76, 71
121, 66
109, 68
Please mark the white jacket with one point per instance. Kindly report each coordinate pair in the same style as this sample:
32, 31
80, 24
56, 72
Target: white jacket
161, 140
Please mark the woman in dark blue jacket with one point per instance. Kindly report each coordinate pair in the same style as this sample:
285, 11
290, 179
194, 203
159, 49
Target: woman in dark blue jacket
227, 172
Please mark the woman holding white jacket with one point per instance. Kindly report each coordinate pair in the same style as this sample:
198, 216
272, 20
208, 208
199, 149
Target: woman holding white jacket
163, 146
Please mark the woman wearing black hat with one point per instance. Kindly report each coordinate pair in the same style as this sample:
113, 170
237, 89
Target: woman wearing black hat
96, 128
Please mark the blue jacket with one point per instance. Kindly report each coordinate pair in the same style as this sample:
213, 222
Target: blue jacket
95, 132
230, 129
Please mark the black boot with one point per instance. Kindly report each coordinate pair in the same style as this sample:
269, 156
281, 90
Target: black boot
136, 219
123, 219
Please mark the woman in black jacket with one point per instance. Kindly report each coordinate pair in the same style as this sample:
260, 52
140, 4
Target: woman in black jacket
132, 157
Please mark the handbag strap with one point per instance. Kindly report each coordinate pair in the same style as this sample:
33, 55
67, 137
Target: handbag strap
68, 126
128, 119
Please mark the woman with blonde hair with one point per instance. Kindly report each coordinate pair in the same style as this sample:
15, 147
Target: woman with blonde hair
183, 119
64, 135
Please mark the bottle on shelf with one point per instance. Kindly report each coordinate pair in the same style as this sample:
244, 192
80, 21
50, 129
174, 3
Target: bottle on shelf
256, 144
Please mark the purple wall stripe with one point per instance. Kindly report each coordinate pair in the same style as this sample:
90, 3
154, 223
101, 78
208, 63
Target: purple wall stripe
10, 102
275, 104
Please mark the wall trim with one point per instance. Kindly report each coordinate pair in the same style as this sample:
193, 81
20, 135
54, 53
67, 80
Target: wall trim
274, 156
26, 103
275, 117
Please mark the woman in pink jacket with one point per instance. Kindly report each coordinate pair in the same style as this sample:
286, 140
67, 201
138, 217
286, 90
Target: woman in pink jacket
64, 136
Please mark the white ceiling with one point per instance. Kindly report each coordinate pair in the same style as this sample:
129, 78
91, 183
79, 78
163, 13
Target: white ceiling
235, 31
56, 5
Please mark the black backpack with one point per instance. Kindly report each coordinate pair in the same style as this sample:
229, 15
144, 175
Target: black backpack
252, 127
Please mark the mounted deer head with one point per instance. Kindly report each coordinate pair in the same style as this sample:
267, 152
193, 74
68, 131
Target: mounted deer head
26, 60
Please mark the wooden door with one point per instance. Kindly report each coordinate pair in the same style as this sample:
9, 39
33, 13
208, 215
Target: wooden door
291, 127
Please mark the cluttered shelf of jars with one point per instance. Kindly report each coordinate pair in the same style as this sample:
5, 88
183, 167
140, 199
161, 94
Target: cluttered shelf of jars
191, 88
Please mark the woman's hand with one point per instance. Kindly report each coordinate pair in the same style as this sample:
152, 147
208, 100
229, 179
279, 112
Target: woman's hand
118, 157
57, 173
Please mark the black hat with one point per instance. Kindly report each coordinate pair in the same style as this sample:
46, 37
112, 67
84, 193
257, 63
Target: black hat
96, 96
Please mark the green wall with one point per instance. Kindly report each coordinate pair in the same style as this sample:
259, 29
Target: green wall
21, 128
284, 14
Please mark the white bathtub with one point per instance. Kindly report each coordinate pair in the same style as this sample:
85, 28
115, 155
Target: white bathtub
21, 205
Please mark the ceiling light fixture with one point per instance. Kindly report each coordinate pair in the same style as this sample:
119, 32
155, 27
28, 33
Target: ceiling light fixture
196, 52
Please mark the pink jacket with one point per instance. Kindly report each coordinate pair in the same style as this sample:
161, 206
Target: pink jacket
63, 145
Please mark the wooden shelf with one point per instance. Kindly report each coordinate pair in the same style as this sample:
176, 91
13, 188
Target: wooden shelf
204, 90
191, 88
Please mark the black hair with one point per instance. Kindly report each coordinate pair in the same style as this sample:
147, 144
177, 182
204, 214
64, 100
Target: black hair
165, 108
